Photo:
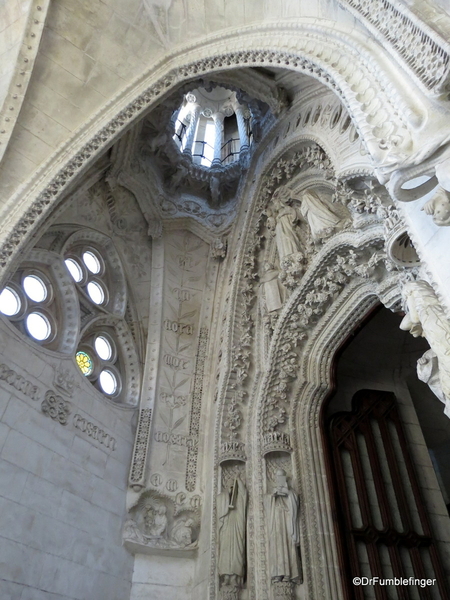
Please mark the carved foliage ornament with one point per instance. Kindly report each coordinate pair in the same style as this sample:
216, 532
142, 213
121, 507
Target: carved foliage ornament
357, 257
310, 157
140, 449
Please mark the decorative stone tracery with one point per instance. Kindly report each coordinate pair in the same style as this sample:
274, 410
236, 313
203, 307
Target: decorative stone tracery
351, 266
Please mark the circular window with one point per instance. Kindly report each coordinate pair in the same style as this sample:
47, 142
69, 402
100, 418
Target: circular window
35, 288
92, 262
85, 363
38, 326
103, 347
96, 293
74, 269
108, 382
10, 303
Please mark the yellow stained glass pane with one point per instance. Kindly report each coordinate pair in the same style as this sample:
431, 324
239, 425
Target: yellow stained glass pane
84, 361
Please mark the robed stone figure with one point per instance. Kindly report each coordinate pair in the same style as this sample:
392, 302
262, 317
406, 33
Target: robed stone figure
231, 512
284, 534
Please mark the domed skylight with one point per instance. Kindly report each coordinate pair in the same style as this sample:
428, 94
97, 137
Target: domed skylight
212, 126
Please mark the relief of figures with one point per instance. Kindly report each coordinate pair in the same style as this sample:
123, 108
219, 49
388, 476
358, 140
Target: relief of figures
288, 209
271, 288
154, 522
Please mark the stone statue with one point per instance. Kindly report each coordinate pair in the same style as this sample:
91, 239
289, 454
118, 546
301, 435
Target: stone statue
231, 513
319, 215
284, 535
219, 247
271, 288
426, 318
158, 143
216, 192
428, 372
286, 217
439, 205
179, 177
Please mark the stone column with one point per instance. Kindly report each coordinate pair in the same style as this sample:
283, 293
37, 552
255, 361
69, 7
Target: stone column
240, 118
218, 119
192, 128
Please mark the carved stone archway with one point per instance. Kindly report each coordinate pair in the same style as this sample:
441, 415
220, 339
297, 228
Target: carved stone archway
348, 275
311, 387
322, 51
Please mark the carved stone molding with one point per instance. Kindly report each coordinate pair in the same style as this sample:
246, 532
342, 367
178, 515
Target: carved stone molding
350, 260
418, 46
194, 425
140, 450
325, 55
23, 69
283, 590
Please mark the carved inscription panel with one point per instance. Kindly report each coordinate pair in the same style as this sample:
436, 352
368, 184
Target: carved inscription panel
174, 436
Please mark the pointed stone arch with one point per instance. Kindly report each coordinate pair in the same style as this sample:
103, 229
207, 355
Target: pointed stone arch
320, 50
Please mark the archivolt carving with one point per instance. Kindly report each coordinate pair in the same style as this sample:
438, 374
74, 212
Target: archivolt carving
338, 283
37, 14
421, 49
329, 56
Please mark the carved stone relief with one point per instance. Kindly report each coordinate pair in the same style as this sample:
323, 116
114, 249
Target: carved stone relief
156, 523
94, 432
174, 446
64, 380
426, 317
18, 382
425, 55
56, 407
166, 463
388, 139
315, 275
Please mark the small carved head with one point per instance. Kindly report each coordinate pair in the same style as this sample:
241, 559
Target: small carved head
280, 478
439, 207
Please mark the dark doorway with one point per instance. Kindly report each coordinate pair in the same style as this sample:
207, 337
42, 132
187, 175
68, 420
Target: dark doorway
390, 513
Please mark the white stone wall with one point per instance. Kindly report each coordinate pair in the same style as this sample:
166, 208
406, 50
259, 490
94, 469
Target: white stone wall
13, 18
62, 492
